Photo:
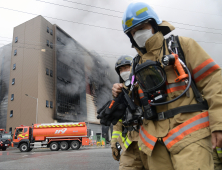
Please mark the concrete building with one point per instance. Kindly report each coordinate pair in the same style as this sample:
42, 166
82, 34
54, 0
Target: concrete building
53, 78
5, 62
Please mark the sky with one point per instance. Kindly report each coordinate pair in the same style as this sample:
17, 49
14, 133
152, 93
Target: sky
198, 19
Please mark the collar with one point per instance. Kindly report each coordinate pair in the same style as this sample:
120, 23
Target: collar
155, 42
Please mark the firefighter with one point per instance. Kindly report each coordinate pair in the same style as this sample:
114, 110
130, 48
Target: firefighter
130, 157
183, 132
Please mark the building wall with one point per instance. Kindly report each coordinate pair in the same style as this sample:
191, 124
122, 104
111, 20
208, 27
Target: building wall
46, 82
30, 77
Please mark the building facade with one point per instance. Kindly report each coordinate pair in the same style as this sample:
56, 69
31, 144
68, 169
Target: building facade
55, 79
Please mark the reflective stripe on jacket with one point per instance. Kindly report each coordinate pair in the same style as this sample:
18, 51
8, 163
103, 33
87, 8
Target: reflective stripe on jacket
147, 139
195, 123
116, 134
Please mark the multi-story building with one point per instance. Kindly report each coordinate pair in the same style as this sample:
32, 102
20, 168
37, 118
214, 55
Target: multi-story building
53, 78
5, 62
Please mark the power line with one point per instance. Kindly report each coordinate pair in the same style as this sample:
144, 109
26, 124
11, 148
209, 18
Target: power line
121, 17
149, 3
62, 19
92, 6
78, 9
91, 24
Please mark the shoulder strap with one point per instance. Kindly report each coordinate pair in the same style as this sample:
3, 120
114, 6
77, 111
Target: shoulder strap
176, 44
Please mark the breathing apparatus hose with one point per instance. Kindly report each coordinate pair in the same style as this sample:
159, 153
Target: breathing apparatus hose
187, 88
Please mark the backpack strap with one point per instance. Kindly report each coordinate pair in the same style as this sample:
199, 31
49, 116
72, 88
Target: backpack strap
176, 44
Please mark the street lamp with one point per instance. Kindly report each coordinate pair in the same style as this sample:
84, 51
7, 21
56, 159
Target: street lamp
36, 106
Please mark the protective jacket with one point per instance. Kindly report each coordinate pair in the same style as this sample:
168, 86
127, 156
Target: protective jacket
184, 128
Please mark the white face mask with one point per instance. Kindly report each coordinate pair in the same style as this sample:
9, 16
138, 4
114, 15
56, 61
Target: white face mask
125, 75
141, 36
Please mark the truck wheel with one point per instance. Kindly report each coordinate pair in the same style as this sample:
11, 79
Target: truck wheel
4, 149
64, 145
24, 147
75, 145
54, 146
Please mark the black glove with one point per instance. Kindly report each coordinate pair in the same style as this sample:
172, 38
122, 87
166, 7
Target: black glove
112, 111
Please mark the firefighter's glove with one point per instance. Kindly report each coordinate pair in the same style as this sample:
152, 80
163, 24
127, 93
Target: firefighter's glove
113, 115
112, 111
116, 154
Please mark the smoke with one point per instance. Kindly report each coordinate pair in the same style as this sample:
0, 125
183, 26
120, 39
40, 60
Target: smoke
78, 72
5, 62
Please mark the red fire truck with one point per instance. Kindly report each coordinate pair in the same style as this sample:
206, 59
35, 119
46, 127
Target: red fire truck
54, 136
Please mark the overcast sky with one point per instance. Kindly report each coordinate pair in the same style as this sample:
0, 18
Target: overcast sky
198, 19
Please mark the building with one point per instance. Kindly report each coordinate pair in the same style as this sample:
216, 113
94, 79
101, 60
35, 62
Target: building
5, 62
54, 78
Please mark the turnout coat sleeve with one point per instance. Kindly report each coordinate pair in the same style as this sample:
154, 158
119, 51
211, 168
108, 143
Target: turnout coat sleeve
207, 76
117, 129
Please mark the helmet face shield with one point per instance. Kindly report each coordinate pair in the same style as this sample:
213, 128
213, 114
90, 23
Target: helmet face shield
150, 76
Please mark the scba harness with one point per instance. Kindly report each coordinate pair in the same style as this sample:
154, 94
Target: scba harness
148, 99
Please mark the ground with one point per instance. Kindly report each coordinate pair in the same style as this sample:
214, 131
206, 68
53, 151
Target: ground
41, 159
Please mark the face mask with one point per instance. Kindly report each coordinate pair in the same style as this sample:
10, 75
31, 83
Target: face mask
125, 75
141, 36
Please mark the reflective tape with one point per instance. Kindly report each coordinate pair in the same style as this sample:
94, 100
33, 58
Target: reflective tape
129, 22
141, 11
125, 141
139, 147
195, 123
62, 125
116, 134
175, 87
146, 138
204, 69
141, 94
219, 150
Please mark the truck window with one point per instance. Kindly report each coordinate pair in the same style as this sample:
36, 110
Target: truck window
25, 130
20, 131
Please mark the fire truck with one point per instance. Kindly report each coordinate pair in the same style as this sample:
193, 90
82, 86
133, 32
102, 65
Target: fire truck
54, 136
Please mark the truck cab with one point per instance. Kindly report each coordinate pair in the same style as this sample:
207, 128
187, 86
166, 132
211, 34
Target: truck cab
22, 137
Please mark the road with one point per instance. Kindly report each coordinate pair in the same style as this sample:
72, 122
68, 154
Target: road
41, 159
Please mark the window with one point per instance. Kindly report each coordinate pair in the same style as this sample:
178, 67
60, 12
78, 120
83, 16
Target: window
13, 81
10, 130
25, 130
51, 73
20, 131
11, 113
12, 97
15, 52
47, 42
16, 39
48, 29
51, 32
47, 103
14, 66
51, 104
47, 71
51, 45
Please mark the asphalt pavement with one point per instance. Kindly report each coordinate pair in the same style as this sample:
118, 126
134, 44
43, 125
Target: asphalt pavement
92, 158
